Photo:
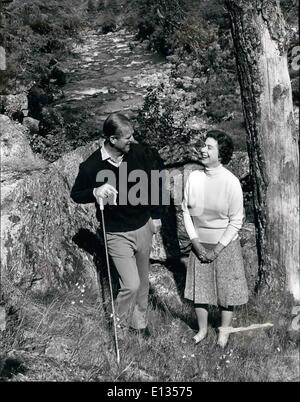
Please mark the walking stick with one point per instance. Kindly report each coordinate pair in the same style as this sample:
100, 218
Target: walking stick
110, 283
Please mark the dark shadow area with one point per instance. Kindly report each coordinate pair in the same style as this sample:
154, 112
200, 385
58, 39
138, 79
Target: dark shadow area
93, 244
10, 366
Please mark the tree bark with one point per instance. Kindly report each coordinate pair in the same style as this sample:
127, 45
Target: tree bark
259, 35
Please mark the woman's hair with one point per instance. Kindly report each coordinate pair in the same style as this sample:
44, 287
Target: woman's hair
114, 123
225, 144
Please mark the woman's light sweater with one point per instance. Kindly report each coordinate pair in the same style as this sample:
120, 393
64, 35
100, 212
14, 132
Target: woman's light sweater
213, 206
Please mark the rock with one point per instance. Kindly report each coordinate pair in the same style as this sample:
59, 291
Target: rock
68, 164
43, 232
37, 99
16, 154
109, 25
167, 284
59, 75
40, 225
14, 105
239, 165
31, 124
112, 90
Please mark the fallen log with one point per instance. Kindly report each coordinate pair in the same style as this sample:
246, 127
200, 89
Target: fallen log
230, 330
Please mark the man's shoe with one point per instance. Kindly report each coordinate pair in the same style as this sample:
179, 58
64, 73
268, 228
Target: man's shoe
144, 332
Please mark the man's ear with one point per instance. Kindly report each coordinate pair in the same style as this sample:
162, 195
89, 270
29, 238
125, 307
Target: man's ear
112, 139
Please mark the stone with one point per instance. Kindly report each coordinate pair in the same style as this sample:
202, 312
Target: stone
13, 104
239, 165
41, 243
37, 99
16, 154
59, 75
31, 124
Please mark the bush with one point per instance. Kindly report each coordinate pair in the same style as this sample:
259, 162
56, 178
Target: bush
165, 117
42, 28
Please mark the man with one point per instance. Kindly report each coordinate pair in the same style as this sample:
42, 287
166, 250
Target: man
130, 219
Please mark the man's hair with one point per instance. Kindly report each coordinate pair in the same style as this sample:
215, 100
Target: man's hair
114, 123
225, 145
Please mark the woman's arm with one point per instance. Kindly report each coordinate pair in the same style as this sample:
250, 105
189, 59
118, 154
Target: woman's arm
235, 213
189, 225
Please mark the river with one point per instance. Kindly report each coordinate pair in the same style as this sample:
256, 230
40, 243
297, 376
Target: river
109, 73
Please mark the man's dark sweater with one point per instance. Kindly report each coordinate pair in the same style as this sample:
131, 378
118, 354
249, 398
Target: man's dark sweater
118, 218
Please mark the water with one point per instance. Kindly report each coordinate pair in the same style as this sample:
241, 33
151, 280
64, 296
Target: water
110, 73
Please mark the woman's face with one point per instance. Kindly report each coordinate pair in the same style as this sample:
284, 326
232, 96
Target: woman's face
210, 153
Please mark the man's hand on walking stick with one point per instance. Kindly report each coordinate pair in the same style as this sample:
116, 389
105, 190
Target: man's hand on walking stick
104, 193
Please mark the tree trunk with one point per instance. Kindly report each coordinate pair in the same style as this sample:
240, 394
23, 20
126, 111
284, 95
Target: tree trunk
259, 36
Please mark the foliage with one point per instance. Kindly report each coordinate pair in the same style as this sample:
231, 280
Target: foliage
91, 7
165, 117
60, 133
42, 29
196, 37
156, 21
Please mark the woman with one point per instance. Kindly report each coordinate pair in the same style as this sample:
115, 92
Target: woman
213, 215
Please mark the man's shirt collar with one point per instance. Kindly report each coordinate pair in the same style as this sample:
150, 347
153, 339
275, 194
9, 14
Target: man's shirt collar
106, 156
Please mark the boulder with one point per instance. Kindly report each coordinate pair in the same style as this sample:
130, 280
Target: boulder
37, 99
14, 105
31, 124
16, 154
43, 233
239, 165
58, 75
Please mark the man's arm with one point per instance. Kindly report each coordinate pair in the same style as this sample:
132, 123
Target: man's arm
82, 190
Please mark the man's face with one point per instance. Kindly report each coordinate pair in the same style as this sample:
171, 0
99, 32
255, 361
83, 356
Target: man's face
124, 141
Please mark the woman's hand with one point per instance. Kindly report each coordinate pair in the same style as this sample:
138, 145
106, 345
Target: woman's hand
213, 254
200, 251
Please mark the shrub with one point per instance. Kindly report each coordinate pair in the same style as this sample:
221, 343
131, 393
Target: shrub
165, 117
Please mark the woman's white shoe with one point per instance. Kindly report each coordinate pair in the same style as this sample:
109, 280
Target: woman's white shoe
199, 337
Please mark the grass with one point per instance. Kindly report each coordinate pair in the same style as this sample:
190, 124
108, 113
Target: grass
70, 339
